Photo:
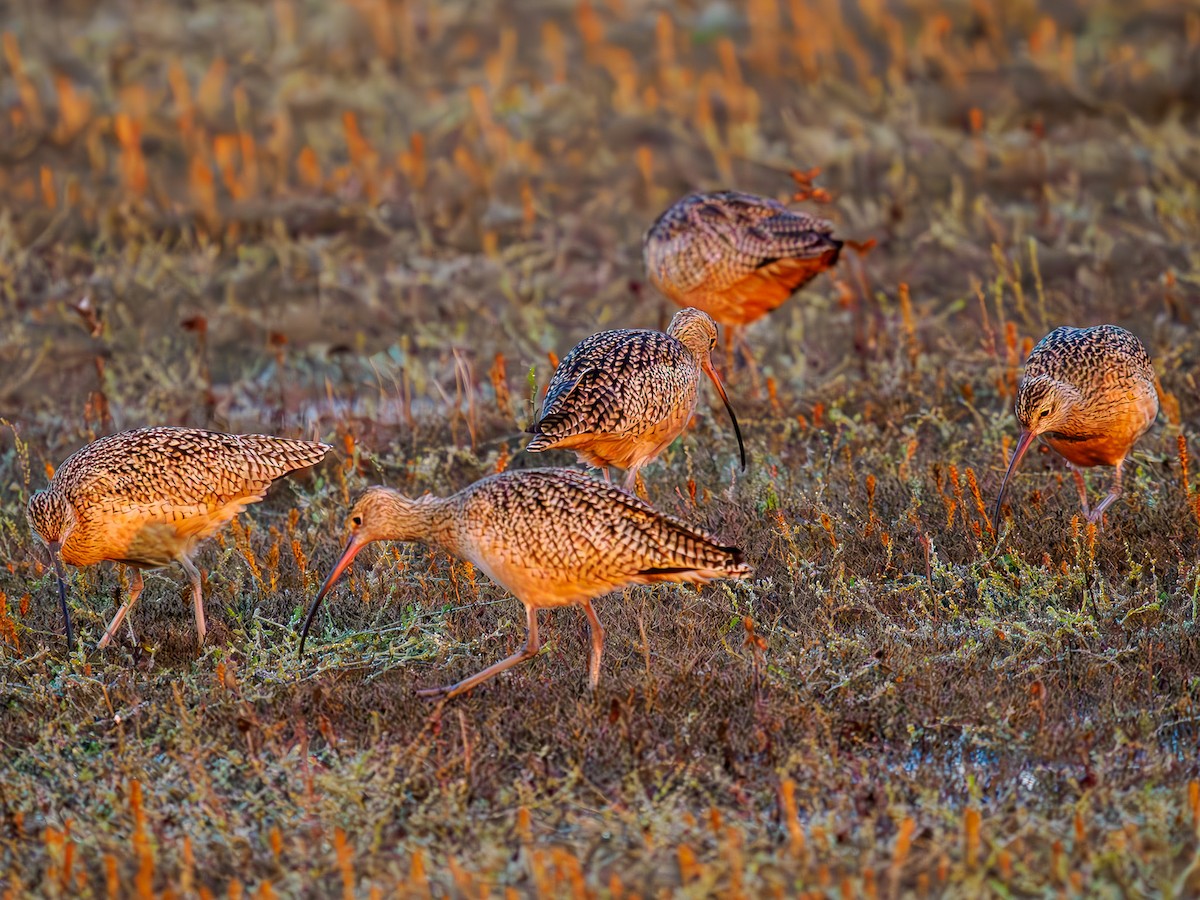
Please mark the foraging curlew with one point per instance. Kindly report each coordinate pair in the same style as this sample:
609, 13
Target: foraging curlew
147, 497
734, 255
619, 398
1089, 393
553, 537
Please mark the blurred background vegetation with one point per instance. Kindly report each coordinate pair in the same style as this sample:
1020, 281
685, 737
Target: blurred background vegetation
377, 222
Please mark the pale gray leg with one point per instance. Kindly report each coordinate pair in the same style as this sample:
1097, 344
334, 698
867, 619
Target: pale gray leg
527, 652
756, 383
135, 591
128, 618
634, 484
630, 482
597, 631
1113, 493
197, 598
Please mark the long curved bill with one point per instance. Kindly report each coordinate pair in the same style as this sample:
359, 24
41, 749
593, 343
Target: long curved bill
353, 545
1023, 443
55, 547
716, 380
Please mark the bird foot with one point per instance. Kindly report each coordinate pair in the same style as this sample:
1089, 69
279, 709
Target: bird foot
1097, 515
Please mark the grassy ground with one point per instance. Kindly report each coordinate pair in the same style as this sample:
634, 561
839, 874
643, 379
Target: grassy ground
372, 222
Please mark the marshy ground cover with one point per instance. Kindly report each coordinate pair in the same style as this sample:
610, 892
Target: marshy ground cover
376, 222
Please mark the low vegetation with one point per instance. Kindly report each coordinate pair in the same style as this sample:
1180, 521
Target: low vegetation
377, 222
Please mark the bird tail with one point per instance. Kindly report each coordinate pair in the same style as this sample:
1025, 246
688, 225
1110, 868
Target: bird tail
282, 455
732, 565
552, 427
695, 575
802, 236
735, 562
714, 561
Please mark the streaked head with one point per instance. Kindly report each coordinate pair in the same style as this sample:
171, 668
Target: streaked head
697, 331
380, 514
1044, 406
52, 517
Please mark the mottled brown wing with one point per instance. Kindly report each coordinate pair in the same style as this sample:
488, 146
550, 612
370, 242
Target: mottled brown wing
568, 521
600, 385
181, 467
716, 240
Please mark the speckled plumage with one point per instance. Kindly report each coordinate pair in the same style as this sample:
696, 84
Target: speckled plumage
553, 537
619, 398
736, 256
147, 497
1089, 393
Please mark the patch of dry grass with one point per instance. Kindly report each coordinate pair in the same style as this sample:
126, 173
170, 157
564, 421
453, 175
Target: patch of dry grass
373, 222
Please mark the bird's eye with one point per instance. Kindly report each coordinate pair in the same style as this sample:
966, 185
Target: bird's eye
1045, 412
356, 521
712, 345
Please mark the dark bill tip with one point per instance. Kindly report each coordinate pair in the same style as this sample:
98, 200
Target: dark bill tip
343, 563
1023, 443
716, 380
55, 547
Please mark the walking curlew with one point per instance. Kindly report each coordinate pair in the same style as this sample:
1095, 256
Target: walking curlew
1089, 393
736, 256
619, 398
552, 537
147, 497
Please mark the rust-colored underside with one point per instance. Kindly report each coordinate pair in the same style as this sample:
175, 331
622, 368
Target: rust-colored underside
149, 539
1103, 450
758, 293
625, 451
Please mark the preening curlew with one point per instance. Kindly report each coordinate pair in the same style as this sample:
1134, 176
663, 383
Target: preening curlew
553, 537
736, 256
147, 497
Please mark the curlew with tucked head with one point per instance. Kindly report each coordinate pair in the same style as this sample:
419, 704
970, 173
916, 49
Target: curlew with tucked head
1089, 393
552, 537
736, 256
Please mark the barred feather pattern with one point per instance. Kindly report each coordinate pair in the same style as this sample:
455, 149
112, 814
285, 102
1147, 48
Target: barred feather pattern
619, 398
734, 255
553, 537
178, 485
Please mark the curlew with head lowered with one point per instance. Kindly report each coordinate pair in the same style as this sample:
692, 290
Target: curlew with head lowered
146, 498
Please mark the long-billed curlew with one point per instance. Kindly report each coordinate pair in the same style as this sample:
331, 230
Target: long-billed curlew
553, 537
736, 256
1089, 393
147, 497
619, 398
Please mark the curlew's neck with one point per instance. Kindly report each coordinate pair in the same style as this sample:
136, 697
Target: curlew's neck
694, 341
426, 519
1077, 414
